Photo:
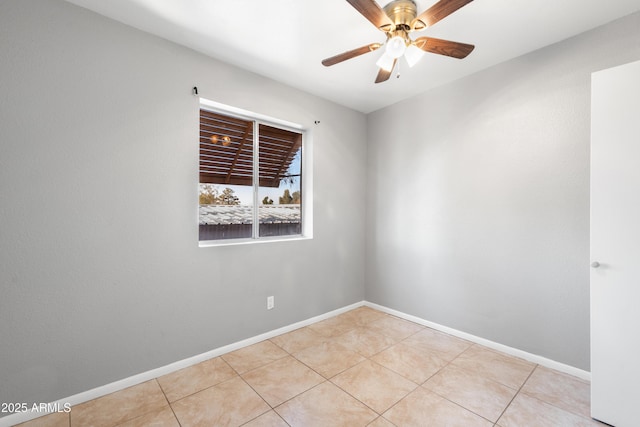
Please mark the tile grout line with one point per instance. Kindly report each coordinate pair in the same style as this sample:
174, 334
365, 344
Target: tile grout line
169, 403
517, 393
370, 358
560, 409
456, 403
553, 404
434, 374
356, 326
271, 408
449, 363
360, 401
289, 354
202, 389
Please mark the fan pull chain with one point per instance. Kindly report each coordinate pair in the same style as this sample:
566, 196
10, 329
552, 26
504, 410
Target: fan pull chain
398, 74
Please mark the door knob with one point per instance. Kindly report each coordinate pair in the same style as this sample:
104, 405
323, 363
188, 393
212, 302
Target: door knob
595, 264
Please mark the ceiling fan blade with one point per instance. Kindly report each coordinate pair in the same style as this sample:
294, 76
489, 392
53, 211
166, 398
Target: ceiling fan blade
373, 12
350, 54
444, 47
437, 12
383, 75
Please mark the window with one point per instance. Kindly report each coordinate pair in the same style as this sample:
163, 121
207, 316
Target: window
250, 177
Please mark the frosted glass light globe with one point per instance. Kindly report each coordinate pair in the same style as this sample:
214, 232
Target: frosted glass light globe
386, 62
413, 55
396, 47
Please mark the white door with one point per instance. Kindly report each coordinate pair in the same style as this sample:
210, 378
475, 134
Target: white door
615, 245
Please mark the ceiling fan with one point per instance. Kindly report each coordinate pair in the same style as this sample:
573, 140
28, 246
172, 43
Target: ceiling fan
398, 20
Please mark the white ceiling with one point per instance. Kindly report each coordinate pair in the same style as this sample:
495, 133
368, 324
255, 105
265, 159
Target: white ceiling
286, 39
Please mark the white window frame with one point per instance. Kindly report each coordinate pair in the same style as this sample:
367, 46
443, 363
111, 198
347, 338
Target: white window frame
306, 180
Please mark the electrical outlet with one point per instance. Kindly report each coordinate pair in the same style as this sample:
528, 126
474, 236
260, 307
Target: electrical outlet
270, 303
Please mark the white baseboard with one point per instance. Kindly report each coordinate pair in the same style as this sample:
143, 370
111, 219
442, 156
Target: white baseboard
534, 358
97, 392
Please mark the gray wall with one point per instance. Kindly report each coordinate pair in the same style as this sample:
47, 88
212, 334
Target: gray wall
101, 276
478, 207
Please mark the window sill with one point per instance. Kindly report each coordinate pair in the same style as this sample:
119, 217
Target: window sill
234, 242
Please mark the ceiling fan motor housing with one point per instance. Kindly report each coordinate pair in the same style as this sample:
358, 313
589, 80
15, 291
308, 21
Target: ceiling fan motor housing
402, 13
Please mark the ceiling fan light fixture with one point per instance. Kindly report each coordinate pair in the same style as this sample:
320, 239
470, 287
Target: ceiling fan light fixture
398, 20
386, 62
413, 54
396, 46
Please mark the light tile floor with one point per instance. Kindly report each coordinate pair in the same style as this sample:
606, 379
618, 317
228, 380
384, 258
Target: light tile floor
361, 368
